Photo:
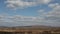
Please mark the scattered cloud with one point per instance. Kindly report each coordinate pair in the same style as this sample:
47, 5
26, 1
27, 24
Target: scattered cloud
53, 16
53, 5
21, 4
18, 20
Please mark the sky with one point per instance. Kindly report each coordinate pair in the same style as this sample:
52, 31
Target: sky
29, 12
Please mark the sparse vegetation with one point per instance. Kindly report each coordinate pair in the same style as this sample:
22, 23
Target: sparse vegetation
30, 30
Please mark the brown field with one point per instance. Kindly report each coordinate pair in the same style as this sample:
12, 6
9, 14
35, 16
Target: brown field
30, 30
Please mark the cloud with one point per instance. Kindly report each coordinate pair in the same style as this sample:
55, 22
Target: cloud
42, 12
55, 10
21, 4
17, 20
53, 5
51, 17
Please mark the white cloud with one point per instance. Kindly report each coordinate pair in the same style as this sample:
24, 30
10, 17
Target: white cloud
52, 17
53, 5
55, 11
17, 20
41, 12
43, 1
14, 4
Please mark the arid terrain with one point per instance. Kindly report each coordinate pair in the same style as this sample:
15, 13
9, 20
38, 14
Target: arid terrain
30, 30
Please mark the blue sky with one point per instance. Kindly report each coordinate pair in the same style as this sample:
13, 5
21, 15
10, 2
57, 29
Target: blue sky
29, 12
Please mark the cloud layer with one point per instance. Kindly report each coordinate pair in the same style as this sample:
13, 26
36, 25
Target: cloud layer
21, 4
51, 17
18, 20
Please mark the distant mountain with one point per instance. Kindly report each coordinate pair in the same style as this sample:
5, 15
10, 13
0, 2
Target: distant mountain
32, 26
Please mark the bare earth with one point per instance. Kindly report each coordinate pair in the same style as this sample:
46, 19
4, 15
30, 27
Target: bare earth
30, 30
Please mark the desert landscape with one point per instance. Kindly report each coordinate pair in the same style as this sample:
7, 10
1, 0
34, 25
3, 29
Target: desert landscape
29, 16
30, 30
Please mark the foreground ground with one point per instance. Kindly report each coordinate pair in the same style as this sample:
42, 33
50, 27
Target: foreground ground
30, 30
